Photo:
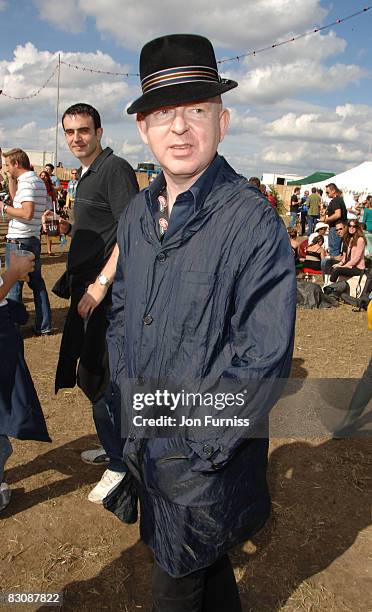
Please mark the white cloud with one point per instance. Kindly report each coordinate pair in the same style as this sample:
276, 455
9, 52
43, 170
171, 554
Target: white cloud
131, 148
275, 82
68, 17
267, 78
311, 127
325, 157
317, 46
3, 5
28, 136
131, 23
275, 118
354, 110
31, 123
241, 123
30, 68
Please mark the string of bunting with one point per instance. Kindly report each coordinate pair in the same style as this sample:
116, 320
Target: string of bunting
221, 61
35, 93
298, 37
86, 69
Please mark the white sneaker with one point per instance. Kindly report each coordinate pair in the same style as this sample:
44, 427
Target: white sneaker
97, 456
5, 495
108, 483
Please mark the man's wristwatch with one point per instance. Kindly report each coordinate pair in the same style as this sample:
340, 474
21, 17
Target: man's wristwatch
103, 280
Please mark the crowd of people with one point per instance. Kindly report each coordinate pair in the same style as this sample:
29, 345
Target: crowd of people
174, 285
336, 242
264, 190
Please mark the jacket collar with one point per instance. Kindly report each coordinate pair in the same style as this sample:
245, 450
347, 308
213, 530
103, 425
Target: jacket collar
220, 193
199, 190
97, 163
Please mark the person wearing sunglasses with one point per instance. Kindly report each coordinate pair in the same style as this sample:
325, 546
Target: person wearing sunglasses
336, 211
353, 261
71, 188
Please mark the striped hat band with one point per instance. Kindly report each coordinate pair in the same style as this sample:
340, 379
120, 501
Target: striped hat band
176, 76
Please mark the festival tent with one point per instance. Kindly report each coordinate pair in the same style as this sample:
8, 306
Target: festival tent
312, 178
356, 180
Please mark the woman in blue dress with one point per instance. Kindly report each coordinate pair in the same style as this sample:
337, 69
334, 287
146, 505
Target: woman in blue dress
20, 411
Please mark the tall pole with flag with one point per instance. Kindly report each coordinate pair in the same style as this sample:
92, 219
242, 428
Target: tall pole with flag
57, 110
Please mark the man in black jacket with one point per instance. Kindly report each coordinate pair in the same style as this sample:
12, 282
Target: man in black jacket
106, 185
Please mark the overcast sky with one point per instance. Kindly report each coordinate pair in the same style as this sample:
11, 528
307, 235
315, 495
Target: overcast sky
305, 106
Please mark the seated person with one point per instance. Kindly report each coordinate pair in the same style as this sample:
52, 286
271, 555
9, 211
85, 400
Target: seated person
295, 245
329, 262
302, 249
321, 229
315, 252
352, 262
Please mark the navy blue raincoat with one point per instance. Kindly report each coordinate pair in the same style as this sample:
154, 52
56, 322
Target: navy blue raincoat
21, 415
215, 301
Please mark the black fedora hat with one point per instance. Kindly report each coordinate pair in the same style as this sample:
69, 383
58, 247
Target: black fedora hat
176, 69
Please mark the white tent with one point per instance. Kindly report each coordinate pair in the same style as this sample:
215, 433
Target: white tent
357, 180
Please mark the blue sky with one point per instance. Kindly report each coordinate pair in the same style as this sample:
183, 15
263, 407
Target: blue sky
300, 108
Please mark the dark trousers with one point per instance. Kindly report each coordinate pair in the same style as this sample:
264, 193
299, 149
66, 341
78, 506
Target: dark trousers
303, 223
341, 271
212, 589
108, 435
327, 263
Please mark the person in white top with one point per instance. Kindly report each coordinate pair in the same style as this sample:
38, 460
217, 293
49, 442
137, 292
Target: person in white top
321, 229
352, 206
29, 201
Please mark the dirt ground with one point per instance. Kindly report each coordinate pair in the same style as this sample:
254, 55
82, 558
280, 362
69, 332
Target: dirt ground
314, 553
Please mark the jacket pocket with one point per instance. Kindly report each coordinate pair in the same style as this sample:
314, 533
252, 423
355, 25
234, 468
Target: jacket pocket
193, 300
167, 472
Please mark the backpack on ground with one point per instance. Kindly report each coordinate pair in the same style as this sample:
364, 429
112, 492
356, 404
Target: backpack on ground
359, 297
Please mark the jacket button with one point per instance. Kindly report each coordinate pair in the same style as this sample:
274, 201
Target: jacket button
208, 450
162, 257
147, 319
140, 381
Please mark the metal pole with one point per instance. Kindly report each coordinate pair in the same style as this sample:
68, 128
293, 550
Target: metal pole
57, 110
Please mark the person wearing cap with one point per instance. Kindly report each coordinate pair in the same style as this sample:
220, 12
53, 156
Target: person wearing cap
204, 263
320, 229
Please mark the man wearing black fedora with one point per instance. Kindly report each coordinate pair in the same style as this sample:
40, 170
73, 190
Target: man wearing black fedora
204, 298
